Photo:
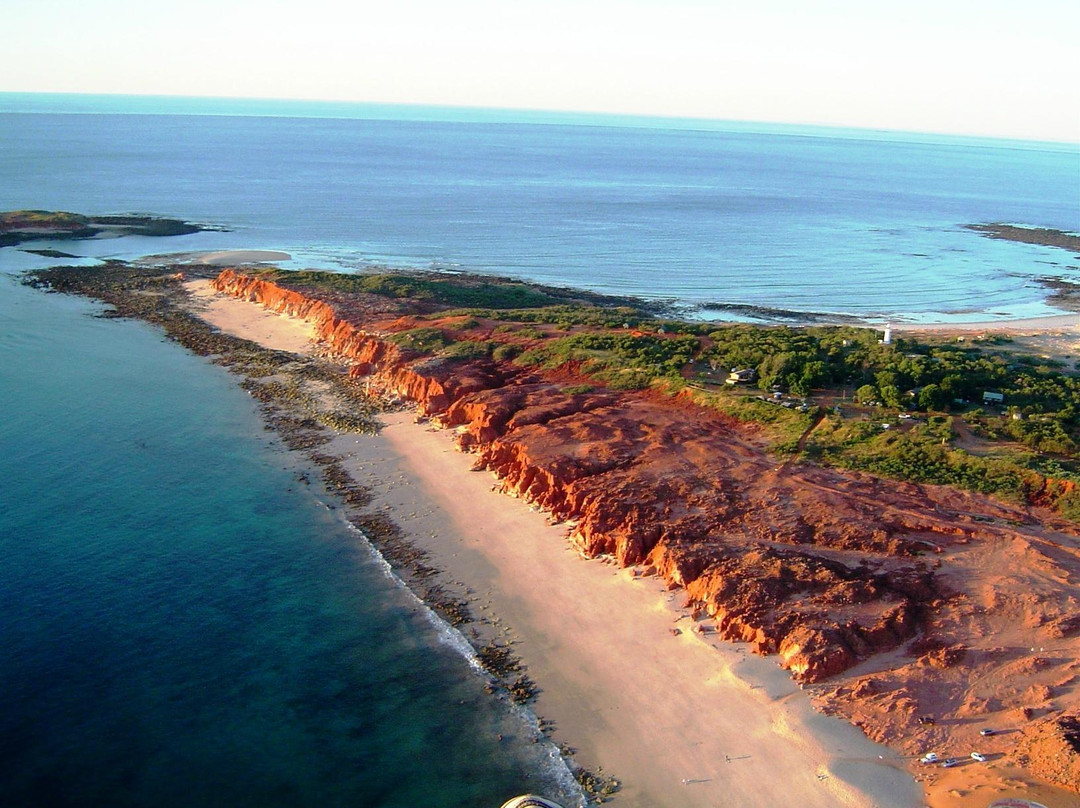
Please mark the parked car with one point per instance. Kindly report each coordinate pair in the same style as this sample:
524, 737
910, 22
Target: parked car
929, 757
979, 756
948, 764
987, 731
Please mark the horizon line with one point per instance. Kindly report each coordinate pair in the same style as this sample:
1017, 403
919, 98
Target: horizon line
507, 115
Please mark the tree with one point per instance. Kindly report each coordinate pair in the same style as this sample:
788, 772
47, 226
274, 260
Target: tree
774, 369
890, 395
866, 394
933, 397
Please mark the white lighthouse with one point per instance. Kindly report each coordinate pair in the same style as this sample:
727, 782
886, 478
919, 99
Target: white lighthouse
888, 335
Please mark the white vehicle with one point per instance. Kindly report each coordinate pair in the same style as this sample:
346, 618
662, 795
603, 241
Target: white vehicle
929, 757
979, 756
530, 801
987, 731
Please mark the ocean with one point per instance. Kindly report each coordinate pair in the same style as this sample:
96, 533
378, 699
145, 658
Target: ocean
184, 621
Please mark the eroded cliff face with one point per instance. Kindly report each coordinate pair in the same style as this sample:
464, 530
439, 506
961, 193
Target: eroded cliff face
824, 569
1051, 748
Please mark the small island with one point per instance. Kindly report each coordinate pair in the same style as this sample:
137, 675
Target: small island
19, 226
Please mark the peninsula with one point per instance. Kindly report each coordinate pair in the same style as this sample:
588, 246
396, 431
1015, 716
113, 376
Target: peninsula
894, 524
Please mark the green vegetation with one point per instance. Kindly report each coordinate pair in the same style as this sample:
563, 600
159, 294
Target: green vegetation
784, 426
506, 352
468, 349
475, 295
623, 361
1024, 442
421, 340
17, 226
578, 389
836, 395
566, 317
921, 454
496, 293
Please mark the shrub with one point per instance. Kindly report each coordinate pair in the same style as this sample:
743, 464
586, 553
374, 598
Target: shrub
506, 352
466, 349
420, 340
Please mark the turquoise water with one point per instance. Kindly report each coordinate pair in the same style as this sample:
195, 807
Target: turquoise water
183, 622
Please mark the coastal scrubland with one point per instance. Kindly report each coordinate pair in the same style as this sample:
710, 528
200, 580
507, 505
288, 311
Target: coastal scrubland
979, 414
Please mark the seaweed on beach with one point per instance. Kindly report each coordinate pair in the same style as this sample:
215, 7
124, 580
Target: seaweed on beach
412, 563
599, 788
338, 480
498, 659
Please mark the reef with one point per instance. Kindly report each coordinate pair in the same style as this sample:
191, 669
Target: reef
1043, 236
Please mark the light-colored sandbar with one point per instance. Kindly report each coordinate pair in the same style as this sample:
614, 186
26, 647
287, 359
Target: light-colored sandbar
224, 258
221, 258
1030, 325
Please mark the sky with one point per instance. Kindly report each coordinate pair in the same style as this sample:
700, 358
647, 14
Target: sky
1001, 69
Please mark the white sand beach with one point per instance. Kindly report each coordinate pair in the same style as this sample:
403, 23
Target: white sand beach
250, 321
683, 720
1027, 325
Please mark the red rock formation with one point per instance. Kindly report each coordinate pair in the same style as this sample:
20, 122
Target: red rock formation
1050, 748
822, 568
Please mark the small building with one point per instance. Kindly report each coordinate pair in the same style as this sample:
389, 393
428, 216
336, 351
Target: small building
743, 376
990, 397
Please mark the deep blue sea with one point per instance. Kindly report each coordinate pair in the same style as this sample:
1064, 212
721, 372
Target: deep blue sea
182, 621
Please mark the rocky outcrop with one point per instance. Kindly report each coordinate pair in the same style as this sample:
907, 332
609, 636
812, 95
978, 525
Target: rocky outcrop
18, 226
1050, 749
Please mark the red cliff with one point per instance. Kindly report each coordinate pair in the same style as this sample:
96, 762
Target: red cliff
823, 568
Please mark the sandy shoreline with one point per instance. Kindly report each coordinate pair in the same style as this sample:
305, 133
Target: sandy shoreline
242, 319
683, 720
1028, 325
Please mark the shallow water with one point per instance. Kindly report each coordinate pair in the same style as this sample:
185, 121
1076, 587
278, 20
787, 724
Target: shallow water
185, 623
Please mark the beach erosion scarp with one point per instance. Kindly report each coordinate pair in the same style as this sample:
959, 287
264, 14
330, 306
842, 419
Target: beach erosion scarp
807, 564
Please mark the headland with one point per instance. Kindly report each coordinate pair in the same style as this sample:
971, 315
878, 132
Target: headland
921, 609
